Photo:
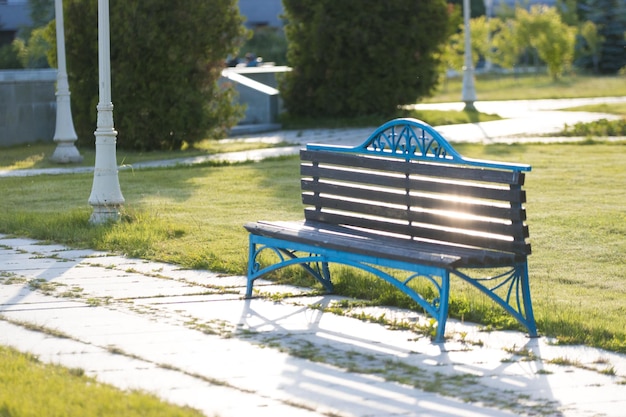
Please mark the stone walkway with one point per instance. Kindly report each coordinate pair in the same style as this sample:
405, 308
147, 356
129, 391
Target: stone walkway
190, 338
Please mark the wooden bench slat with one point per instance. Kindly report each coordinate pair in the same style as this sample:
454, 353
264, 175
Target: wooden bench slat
470, 257
416, 168
484, 209
367, 243
343, 239
444, 220
466, 190
417, 231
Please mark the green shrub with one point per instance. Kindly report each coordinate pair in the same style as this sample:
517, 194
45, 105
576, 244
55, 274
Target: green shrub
602, 128
166, 59
268, 43
361, 57
9, 58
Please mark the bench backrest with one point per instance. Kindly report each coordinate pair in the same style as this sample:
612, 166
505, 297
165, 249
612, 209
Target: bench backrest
406, 180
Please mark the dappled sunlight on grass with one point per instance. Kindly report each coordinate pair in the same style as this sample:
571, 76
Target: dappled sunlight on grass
28, 162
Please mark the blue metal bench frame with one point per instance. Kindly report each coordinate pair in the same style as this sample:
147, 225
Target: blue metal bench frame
409, 140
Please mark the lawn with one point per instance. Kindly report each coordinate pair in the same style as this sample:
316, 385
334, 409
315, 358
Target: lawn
32, 389
193, 216
532, 87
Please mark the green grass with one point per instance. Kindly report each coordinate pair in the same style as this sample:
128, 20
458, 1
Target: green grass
193, 216
597, 128
532, 87
613, 108
602, 127
37, 155
32, 389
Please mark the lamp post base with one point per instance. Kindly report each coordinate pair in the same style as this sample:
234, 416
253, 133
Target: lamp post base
469, 106
66, 153
103, 214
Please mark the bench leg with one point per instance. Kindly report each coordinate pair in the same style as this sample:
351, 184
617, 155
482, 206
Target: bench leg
511, 290
529, 316
251, 266
314, 264
324, 277
444, 296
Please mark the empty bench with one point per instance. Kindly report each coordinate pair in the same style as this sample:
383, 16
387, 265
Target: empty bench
405, 200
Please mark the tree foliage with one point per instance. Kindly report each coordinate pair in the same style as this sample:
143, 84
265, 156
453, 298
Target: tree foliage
268, 43
32, 53
610, 18
505, 46
592, 43
360, 57
41, 12
30, 46
540, 29
166, 59
552, 34
480, 31
9, 58
543, 29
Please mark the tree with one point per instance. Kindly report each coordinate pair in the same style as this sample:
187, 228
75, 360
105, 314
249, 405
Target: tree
610, 18
166, 59
593, 43
361, 57
506, 46
33, 53
477, 7
29, 48
542, 29
480, 30
568, 10
41, 12
268, 43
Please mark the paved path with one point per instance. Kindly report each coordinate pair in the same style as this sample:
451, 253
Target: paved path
191, 338
525, 121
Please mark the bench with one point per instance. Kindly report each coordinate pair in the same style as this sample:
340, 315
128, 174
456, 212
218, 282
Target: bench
405, 200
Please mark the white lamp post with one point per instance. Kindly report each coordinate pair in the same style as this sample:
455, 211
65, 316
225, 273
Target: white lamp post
488, 12
64, 133
106, 196
469, 91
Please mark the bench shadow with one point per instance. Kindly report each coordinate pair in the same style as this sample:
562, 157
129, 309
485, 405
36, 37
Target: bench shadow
334, 364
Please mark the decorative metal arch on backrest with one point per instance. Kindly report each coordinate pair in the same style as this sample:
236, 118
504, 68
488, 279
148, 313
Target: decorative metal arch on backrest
410, 139
413, 139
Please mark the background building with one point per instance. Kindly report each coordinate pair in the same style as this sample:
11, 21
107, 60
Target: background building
13, 15
261, 12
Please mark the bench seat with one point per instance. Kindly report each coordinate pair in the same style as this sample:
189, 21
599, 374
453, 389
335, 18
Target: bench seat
351, 240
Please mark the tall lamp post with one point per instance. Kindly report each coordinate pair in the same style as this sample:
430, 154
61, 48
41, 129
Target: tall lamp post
106, 196
468, 95
489, 13
64, 133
